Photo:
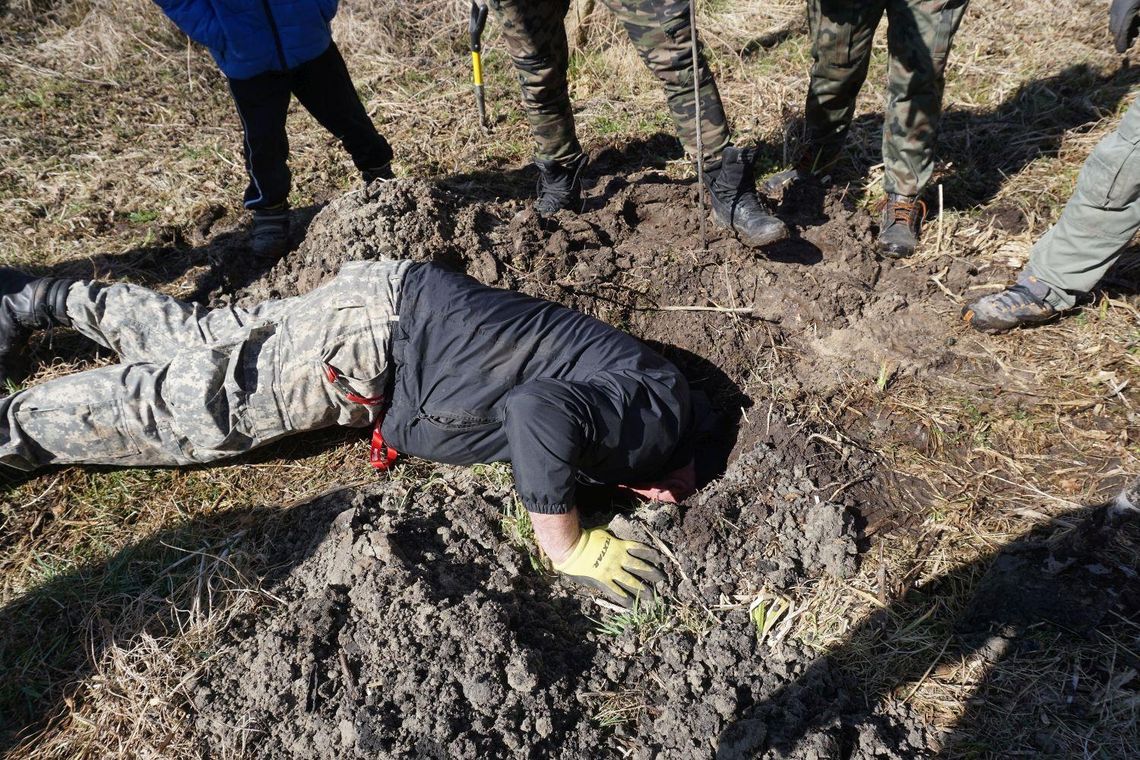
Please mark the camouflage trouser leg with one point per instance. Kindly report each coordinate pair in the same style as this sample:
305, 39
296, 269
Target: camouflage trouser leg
534, 33
919, 36
1098, 221
663, 37
198, 386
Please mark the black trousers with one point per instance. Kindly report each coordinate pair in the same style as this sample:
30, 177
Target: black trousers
325, 90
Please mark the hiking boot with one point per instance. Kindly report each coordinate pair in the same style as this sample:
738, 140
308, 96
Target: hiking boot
735, 204
382, 172
269, 235
900, 224
28, 303
813, 164
559, 187
1019, 305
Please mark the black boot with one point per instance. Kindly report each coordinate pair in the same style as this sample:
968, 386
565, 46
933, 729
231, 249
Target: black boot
559, 187
28, 303
381, 172
269, 235
736, 205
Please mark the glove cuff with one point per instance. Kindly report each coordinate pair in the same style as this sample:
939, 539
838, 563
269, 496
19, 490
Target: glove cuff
575, 553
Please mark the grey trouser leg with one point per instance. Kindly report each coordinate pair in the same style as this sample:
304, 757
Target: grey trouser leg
1098, 221
197, 385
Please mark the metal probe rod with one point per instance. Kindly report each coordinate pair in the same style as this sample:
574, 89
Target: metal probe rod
700, 139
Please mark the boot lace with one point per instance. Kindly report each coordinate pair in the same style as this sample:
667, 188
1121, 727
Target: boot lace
905, 212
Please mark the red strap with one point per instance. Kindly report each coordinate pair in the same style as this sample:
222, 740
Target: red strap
336, 378
383, 456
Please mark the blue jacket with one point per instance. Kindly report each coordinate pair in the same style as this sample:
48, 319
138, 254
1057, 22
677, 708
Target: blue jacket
250, 37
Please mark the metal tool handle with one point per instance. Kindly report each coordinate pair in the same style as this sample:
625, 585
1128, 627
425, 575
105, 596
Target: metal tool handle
475, 27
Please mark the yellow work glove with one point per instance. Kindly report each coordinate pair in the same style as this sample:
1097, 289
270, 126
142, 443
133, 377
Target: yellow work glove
622, 570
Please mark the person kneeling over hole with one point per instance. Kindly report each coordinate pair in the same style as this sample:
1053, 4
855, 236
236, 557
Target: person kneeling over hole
442, 367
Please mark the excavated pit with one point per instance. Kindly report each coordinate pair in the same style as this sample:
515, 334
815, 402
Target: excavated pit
412, 627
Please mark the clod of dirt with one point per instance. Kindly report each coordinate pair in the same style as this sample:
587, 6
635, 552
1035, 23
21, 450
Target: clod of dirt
411, 628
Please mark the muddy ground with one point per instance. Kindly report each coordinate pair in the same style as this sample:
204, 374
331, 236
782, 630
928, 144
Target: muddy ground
412, 627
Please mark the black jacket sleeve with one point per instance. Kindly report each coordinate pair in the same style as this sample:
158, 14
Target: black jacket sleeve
551, 427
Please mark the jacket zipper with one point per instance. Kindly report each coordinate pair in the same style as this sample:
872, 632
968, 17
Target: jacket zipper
276, 34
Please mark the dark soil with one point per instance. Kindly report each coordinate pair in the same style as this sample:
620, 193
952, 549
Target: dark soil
413, 628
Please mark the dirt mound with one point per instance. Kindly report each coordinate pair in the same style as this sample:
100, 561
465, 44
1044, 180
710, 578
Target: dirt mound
633, 258
413, 629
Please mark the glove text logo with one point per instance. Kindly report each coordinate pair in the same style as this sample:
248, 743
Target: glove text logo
602, 556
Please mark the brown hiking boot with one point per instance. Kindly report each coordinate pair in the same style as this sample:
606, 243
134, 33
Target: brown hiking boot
901, 221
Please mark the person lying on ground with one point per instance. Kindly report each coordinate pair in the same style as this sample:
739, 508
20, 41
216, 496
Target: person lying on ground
270, 50
1097, 223
534, 34
443, 367
919, 36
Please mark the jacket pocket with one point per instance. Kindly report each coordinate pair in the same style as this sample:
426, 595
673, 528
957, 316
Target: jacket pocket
359, 363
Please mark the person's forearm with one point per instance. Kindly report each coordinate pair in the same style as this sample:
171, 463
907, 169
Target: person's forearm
557, 534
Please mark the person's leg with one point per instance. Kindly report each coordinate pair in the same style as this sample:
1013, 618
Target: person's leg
262, 104
534, 33
919, 36
203, 405
841, 33
141, 325
663, 37
325, 89
1098, 221
226, 386
1096, 225
662, 34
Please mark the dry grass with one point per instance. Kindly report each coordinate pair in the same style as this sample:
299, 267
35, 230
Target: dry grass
116, 137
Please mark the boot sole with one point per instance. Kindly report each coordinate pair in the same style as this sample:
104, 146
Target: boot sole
892, 252
968, 315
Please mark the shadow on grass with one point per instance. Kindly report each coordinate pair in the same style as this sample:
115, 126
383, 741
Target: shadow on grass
1039, 613
978, 151
221, 262
55, 633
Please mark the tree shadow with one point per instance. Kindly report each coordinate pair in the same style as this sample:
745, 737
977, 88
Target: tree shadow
56, 633
1030, 611
210, 261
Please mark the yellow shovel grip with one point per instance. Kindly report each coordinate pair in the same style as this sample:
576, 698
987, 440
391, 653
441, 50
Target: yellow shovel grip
477, 68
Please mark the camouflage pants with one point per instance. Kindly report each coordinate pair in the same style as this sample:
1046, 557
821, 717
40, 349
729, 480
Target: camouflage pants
534, 33
1098, 221
919, 35
197, 385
